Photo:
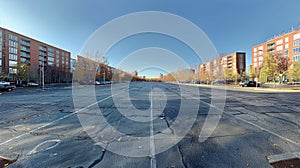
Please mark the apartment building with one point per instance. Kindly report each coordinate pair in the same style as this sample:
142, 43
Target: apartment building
47, 61
286, 45
234, 63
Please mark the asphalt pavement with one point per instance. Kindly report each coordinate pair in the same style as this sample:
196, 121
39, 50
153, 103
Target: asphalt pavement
143, 124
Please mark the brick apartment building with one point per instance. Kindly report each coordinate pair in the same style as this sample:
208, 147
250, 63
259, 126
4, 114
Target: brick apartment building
43, 59
86, 71
234, 63
286, 45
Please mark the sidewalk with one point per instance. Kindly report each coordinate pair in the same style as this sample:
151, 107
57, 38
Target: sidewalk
247, 89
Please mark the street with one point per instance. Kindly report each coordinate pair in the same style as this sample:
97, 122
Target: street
144, 124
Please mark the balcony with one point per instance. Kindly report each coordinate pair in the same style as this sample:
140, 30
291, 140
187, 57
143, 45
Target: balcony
26, 49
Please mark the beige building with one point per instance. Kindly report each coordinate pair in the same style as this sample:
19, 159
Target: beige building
215, 69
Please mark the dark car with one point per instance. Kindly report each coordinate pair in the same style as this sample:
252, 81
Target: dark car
249, 84
6, 87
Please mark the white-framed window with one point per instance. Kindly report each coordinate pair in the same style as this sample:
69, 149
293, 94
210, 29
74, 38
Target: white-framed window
279, 48
12, 70
13, 57
297, 43
286, 39
13, 63
279, 42
260, 47
13, 37
13, 50
261, 58
286, 46
296, 36
51, 59
13, 43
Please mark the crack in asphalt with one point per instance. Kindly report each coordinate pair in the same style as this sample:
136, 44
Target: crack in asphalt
97, 161
181, 156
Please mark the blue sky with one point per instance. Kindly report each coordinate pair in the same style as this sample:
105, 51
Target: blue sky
231, 25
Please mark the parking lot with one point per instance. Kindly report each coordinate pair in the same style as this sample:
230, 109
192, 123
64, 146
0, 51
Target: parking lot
52, 128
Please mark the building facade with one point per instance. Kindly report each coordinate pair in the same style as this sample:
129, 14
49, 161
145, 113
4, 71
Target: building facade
219, 68
44, 60
286, 45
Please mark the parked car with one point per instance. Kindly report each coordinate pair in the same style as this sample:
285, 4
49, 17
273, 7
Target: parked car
249, 84
99, 83
6, 87
32, 84
5, 83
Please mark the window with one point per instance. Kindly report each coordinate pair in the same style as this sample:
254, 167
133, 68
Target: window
279, 48
279, 42
286, 46
13, 43
23, 60
25, 48
41, 58
296, 58
51, 59
25, 42
50, 54
57, 52
12, 70
13, 57
23, 54
13, 63
297, 43
296, 50
286, 39
57, 56
12, 37
50, 63
41, 53
13, 50
50, 49
57, 61
296, 36
0, 62
43, 48
62, 53
286, 52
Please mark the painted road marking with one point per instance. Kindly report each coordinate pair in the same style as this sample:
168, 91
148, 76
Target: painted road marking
59, 119
152, 143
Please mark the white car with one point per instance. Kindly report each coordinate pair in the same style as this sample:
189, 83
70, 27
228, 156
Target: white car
32, 84
4, 83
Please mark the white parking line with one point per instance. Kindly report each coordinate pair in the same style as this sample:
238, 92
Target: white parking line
257, 126
152, 143
59, 119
